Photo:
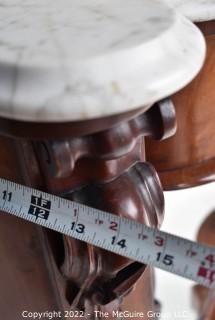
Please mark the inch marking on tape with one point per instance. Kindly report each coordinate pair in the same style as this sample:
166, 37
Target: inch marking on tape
119, 235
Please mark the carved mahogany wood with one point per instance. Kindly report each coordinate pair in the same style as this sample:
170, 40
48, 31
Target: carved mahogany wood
106, 170
188, 158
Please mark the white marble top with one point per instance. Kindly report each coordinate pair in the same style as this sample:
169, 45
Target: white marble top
63, 60
196, 10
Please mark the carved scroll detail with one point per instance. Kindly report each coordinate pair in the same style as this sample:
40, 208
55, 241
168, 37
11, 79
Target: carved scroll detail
106, 170
61, 156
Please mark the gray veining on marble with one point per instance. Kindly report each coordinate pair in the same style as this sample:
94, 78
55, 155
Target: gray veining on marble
65, 60
196, 10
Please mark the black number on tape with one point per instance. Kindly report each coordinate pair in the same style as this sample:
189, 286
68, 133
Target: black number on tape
79, 227
121, 243
167, 259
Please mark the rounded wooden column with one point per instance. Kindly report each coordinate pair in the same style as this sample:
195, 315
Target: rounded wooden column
188, 158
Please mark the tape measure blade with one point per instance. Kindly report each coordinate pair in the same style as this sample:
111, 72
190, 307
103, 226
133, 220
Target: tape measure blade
111, 232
